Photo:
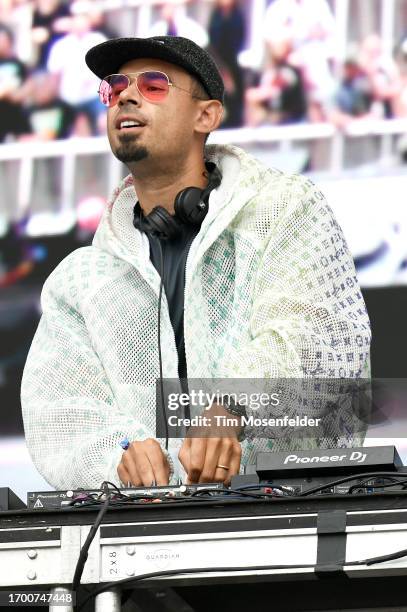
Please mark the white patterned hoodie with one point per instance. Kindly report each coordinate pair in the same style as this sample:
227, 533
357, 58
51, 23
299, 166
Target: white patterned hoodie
270, 292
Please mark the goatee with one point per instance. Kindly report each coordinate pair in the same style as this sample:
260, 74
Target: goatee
129, 151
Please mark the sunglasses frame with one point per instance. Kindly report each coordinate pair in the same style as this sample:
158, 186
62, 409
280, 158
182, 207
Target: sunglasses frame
130, 78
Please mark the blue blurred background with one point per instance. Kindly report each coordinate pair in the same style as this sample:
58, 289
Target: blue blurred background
312, 86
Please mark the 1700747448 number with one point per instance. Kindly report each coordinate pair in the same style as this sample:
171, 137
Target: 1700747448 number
36, 598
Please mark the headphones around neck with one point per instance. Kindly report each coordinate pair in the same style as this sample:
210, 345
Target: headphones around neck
191, 206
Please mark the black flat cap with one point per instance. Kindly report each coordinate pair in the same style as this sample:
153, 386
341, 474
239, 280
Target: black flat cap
107, 58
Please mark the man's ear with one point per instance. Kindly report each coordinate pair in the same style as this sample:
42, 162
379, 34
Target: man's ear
209, 116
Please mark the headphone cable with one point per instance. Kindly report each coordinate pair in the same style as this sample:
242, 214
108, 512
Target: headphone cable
214, 181
160, 361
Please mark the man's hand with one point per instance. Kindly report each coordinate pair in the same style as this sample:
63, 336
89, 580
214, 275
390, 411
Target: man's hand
202, 455
144, 463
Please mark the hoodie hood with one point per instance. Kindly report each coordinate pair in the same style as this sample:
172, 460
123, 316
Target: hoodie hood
241, 176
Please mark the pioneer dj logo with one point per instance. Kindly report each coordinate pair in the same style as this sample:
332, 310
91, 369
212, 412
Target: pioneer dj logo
162, 558
355, 456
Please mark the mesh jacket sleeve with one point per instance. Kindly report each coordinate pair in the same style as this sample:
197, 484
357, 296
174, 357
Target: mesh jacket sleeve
73, 424
308, 317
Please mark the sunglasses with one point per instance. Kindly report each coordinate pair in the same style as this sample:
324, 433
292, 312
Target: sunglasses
153, 86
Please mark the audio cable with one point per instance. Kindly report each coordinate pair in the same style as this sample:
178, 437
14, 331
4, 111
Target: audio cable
160, 360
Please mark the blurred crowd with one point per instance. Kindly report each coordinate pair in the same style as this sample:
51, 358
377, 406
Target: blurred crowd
47, 92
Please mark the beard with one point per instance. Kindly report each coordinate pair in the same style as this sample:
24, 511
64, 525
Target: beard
129, 151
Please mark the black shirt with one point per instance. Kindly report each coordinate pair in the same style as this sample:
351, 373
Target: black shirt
175, 253
290, 102
13, 119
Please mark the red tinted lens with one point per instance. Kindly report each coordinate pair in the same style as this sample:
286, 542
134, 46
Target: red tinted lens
111, 87
153, 86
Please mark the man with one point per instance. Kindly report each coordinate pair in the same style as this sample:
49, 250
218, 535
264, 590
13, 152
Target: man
13, 81
310, 27
280, 96
174, 21
76, 86
269, 285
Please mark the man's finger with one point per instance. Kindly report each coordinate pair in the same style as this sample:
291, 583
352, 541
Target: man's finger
158, 461
135, 460
128, 476
184, 454
218, 452
196, 459
234, 467
123, 475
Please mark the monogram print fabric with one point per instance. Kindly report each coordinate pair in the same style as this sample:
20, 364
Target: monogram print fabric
270, 292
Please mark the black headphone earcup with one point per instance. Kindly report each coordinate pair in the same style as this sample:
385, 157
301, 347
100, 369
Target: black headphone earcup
190, 207
158, 223
162, 224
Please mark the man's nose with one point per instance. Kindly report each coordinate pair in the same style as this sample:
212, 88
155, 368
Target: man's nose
130, 94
